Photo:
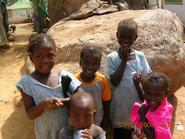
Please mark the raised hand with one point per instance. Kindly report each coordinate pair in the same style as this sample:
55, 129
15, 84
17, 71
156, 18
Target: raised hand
86, 134
51, 104
124, 53
137, 79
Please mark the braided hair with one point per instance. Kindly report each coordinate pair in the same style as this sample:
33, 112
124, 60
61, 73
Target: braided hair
37, 40
159, 78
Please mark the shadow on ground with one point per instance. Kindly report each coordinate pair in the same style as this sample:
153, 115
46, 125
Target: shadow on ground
18, 124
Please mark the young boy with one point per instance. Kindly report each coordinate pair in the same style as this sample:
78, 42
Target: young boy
95, 83
81, 112
121, 67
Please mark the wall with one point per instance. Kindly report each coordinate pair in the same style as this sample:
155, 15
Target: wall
19, 11
19, 15
178, 9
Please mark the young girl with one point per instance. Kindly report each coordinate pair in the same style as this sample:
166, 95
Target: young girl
42, 91
152, 118
121, 67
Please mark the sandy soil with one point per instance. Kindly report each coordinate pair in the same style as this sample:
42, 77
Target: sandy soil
13, 121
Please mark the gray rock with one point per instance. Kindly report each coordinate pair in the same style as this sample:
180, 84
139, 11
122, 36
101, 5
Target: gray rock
81, 9
159, 37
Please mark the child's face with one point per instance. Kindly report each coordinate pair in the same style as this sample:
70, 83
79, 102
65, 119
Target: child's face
154, 94
81, 118
126, 37
90, 65
43, 58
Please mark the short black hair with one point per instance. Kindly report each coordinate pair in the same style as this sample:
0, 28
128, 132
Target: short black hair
159, 78
92, 50
127, 23
38, 39
80, 96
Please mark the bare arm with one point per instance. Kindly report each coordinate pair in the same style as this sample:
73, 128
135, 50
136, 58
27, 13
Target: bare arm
33, 111
106, 116
124, 54
137, 83
148, 129
116, 77
140, 92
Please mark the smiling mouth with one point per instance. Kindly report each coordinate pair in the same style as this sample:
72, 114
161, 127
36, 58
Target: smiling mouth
46, 67
125, 45
153, 103
89, 72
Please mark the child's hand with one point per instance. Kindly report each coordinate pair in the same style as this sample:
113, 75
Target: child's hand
142, 112
51, 104
124, 53
86, 134
137, 79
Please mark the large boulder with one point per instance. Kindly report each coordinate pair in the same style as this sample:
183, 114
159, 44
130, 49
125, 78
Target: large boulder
59, 9
80, 9
159, 37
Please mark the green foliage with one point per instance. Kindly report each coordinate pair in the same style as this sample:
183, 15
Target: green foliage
179, 2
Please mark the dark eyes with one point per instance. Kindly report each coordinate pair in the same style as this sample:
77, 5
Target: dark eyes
75, 116
51, 56
129, 37
85, 117
92, 64
39, 56
155, 94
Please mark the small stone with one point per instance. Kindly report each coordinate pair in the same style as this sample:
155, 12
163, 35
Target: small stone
179, 126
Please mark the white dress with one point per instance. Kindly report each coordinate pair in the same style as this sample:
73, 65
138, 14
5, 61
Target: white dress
125, 94
48, 124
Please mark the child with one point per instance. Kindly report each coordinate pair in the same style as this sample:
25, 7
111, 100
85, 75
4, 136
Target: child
94, 82
152, 118
121, 66
42, 91
81, 112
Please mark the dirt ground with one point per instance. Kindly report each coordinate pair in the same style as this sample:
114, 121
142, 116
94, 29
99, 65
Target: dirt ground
13, 122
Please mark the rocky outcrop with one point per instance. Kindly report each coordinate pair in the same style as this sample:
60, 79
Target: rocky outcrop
59, 9
81, 9
159, 37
